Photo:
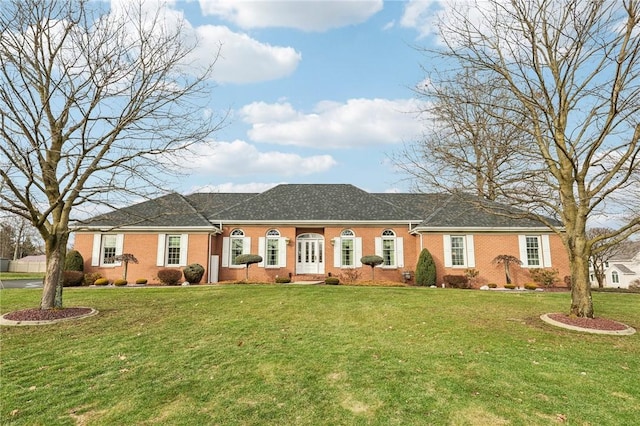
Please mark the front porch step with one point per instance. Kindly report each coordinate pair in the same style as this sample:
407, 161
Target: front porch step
307, 279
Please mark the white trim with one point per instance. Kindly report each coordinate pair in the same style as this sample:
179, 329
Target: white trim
162, 241
226, 254
262, 250
546, 250
337, 252
446, 242
282, 252
522, 246
184, 247
400, 252
95, 250
358, 252
470, 260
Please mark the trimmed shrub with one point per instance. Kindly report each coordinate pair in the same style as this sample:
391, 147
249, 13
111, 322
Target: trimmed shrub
544, 277
74, 261
90, 279
248, 259
141, 281
510, 286
283, 280
373, 261
193, 273
120, 282
456, 281
492, 285
530, 286
72, 278
425, 269
101, 281
168, 276
332, 280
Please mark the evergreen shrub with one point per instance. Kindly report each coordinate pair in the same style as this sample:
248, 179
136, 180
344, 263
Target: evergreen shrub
425, 269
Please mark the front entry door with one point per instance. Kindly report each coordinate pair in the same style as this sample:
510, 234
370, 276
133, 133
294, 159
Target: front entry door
310, 254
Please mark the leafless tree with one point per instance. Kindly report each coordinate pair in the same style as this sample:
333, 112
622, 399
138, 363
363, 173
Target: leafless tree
94, 104
603, 250
572, 71
468, 143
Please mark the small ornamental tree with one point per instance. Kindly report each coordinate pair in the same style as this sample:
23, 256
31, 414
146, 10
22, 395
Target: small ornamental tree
373, 261
248, 259
193, 273
124, 258
506, 260
74, 261
425, 269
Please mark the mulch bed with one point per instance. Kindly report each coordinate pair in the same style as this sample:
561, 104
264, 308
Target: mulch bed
36, 314
590, 323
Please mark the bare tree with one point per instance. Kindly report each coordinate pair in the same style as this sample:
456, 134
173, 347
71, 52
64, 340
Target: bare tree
94, 104
603, 250
468, 143
572, 71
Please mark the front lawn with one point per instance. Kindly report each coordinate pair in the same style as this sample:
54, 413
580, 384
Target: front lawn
309, 355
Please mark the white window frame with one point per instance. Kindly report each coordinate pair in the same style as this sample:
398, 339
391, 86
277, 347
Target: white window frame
162, 257
273, 236
615, 277
468, 251
98, 250
544, 251
389, 235
227, 245
338, 258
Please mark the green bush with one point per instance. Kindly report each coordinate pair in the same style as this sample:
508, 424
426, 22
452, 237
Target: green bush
425, 269
90, 279
193, 273
141, 281
101, 281
168, 276
332, 280
510, 286
120, 282
74, 261
283, 280
544, 277
492, 285
72, 278
456, 281
530, 286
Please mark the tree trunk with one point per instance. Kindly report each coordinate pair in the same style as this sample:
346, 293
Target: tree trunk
581, 301
56, 249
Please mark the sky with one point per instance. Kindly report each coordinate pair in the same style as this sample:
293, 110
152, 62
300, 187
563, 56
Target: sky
318, 91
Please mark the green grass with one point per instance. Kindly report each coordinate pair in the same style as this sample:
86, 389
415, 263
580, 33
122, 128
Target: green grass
21, 275
308, 355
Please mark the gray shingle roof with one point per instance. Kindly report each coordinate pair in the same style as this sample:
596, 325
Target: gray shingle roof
624, 269
311, 202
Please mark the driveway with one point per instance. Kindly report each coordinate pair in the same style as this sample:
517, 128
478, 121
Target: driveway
31, 283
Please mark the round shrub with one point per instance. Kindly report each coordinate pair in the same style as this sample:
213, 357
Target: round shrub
120, 282
425, 269
283, 280
332, 280
492, 285
193, 273
141, 281
101, 281
73, 261
168, 276
72, 278
530, 286
90, 279
510, 286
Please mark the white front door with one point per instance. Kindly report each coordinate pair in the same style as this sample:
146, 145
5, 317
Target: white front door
310, 254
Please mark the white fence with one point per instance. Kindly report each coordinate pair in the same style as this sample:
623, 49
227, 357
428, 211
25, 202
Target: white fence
17, 266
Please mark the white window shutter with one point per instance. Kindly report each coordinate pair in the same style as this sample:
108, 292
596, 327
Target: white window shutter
95, 250
378, 246
446, 242
400, 252
546, 251
358, 252
282, 252
471, 252
246, 245
162, 238
225, 252
337, 252
261, 250
184, 248
119, 247
522, 244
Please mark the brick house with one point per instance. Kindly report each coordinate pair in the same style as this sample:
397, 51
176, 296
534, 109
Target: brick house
310, 231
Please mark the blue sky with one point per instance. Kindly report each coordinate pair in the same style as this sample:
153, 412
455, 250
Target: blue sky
319, 91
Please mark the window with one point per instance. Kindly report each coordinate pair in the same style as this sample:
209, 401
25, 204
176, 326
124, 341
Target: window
535, 251
108, 249
615, 279
389, 247
347, 248
237, 245
273, 244
458, 251
105, 247
173, 250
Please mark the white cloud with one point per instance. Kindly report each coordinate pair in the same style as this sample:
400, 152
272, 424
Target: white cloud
422, 15
356, 123
309, 15
238, 158
252, 187
242, 58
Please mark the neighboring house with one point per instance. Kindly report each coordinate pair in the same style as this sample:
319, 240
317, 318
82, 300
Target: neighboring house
623, 269
310, 231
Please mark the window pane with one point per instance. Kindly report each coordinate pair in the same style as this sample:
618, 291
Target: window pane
457, 251
389, 252
533, 251
173, 250
347, 251
236, 249
108, 249
272, 252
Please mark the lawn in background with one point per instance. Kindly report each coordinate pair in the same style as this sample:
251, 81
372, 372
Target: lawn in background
309, 355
